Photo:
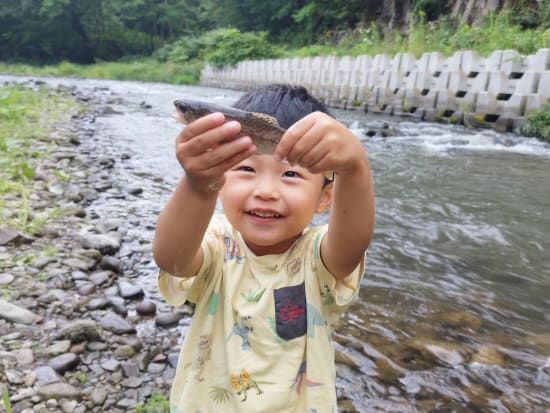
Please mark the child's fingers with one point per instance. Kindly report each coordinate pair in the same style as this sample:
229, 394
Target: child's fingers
201, 126
292, 136
211, 162
211, 138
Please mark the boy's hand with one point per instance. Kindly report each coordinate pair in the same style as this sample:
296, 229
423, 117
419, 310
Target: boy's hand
320, 143
208, 147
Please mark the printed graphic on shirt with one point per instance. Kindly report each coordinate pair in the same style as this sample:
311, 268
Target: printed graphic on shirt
212, 303
220, 395
327, 296
232, 249
290, 311
273, 326
314, 318
203, 355
294, 266
301, 379
242, 382
242, 330
253, 296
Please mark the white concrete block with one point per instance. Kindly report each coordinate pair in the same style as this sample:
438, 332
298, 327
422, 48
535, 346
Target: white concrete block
544, 84
540, 61
381, 63
458, 82
471, 63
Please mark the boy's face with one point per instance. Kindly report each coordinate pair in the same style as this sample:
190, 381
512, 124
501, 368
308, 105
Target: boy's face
270, 202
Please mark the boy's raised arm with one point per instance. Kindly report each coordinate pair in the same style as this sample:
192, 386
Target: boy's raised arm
320, 143
351, 221
206, 149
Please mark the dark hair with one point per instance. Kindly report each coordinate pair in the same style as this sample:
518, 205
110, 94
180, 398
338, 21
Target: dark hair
286, 103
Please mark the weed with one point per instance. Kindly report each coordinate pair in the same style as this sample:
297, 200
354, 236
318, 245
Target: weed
157, 403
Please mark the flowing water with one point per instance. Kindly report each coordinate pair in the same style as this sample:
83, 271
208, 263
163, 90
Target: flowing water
454, 311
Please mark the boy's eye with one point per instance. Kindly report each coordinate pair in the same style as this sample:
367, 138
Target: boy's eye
291, 174
245, 168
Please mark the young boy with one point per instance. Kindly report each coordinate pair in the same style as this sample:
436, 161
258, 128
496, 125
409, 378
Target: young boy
267, 288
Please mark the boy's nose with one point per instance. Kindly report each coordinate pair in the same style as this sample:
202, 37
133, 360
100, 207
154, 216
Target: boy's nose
266, 190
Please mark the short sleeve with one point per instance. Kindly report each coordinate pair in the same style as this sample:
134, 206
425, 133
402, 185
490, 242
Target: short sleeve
177, 290
336, 294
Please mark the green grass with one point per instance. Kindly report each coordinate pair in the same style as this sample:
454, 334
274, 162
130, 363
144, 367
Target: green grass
144, 69
157, 403
27, 118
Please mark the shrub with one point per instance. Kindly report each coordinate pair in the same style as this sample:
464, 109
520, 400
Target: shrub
538, 123
227, 47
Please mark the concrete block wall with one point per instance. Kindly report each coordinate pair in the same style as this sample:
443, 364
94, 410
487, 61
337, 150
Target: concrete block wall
496, 91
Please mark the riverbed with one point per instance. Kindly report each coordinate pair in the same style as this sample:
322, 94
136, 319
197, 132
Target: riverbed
453, 314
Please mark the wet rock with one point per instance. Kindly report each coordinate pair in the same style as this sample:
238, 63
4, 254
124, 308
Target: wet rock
167, 319
46, 375
488, 355
128, 290
78, 331
116, 324
146, 308
107, 244
6, 279
14, 376
132, 382
87, 289
64, 362
119, 305
101, 278
110, 365
10, 236
16, 314
99, 303
124, 352
24, 356
459, 319
111, 263
58, 391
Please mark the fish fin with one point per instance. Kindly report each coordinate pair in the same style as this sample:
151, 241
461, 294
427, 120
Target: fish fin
264, 117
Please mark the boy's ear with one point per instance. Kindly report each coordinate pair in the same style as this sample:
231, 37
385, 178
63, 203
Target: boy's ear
325, 199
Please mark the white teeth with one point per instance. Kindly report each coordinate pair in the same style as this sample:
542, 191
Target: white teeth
265, 214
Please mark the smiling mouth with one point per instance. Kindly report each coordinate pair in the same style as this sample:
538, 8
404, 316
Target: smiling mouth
264, 214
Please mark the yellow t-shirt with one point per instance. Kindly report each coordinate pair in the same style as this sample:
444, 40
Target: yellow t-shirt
260, 339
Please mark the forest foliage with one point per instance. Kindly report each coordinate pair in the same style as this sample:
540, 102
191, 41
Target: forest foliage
226, 31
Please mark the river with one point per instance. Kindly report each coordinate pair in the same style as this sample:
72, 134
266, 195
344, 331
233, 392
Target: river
454, 311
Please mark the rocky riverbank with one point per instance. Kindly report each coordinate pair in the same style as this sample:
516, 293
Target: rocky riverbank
78, 334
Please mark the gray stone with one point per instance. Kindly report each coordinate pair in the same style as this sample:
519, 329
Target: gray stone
58, 347
128, 290
6, 279
125, 352
107, 244
132, 382
111, 263
10, 236
116, 324
110, 365
98, 396
46, 375
101, 277
119, 305
24, 357
167, 319
64, 362
146, 308
16, 314
58, 391
78, 331
14, 376
99, 303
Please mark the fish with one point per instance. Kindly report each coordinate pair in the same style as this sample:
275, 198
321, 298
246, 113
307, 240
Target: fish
263, 129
